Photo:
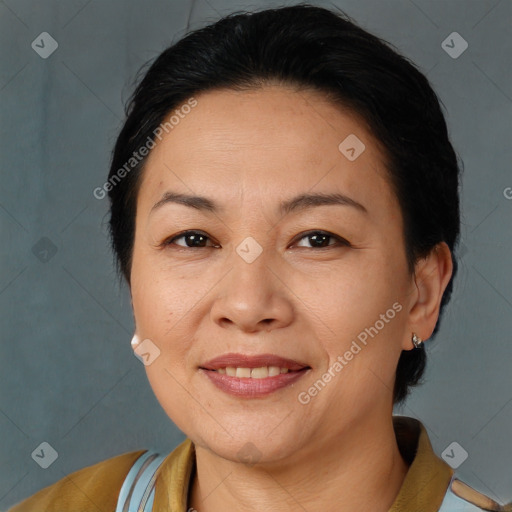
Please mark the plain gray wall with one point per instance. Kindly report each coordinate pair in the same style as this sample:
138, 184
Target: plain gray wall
68, 375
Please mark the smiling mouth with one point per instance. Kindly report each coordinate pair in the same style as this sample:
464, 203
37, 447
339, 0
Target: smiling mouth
252, 376
261, 372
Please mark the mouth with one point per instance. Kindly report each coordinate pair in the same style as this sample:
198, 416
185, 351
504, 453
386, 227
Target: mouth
252, 376
262, 372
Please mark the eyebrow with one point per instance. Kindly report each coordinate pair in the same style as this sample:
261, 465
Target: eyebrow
304, 201
295, 204
197, 202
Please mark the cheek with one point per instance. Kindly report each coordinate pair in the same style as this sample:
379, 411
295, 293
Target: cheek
353, 298
160, 296
169, 305
160, 307
364, 310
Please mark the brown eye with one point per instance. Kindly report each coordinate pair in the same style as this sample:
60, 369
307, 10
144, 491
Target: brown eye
191, 239
320, 239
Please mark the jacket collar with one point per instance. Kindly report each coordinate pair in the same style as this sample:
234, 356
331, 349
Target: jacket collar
423, 489
428, 478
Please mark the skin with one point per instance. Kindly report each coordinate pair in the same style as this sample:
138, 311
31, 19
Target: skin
248, 151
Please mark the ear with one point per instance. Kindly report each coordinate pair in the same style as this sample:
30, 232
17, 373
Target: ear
431, 276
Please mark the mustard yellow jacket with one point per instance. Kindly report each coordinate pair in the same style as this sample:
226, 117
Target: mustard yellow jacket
96, 488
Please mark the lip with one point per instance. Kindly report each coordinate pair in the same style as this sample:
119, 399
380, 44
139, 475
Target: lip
256, 361
245, 387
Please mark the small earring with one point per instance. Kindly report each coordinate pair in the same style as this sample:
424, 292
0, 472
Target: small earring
416, 340
135, 341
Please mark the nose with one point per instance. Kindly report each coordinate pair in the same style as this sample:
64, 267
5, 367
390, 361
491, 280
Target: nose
253, 297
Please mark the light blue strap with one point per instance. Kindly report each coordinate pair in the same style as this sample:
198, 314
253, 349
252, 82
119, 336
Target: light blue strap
149, 505
452, 503
137, 491
144, 485
130, 477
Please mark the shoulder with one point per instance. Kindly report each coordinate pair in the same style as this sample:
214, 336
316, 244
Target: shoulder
461, 497
94, 487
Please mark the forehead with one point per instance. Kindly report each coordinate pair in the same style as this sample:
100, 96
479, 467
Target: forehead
265, 142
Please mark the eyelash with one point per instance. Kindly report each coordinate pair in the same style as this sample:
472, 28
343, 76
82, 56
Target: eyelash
340, 241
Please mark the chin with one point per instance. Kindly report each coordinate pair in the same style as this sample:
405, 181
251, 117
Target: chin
248, 445
251, 451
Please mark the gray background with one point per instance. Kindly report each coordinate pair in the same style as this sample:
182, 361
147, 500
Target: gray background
68, 375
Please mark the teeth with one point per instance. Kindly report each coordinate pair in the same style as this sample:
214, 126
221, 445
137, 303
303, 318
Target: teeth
274, 370
243, 372
259, 373
253, 373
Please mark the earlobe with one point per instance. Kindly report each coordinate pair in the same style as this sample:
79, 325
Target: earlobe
431, 276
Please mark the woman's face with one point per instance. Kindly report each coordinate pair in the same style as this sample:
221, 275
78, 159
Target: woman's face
269, 273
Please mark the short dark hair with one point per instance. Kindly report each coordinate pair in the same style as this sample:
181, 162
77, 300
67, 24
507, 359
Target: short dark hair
315, 48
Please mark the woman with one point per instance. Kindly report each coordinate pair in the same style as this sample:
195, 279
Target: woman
284, 207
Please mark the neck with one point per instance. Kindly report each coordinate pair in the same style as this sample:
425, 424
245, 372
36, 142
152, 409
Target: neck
359, 468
